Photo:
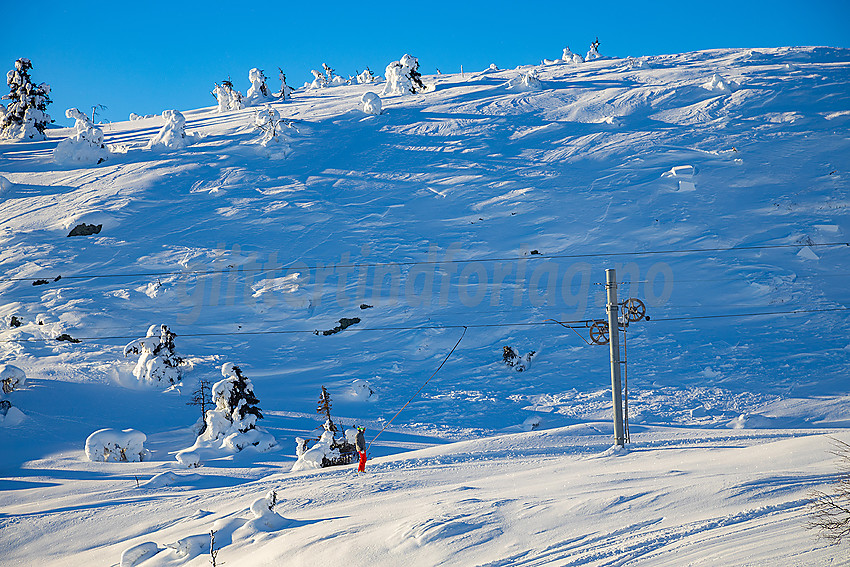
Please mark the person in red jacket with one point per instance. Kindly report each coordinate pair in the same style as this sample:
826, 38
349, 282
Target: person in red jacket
360, 445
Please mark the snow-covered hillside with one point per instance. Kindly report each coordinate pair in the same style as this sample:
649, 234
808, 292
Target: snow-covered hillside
714, 182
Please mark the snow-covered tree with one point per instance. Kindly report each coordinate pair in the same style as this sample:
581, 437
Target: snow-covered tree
259, 92
26, 115
512, 358
829, 512
285, 90
85, 145
158, 362
525, 82
371, 103
106, 445
232, 425
228, 98
173, 134
403, 77
593, 53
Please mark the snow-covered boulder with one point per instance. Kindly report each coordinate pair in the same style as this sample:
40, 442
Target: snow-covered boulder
85, 146
403, 77
371, 103
158, 362
259, 92
11, 378
232, 425
525, 82
111, 445
173, 134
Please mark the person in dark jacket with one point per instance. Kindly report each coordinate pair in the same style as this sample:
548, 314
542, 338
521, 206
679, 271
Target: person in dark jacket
360, 445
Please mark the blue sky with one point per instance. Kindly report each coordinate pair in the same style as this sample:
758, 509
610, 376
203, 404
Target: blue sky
151, 56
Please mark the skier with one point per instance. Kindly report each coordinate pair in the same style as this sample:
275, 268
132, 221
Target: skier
360, 445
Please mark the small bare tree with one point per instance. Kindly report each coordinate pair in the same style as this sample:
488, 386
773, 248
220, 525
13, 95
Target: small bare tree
201, 398
829, 512
213, 550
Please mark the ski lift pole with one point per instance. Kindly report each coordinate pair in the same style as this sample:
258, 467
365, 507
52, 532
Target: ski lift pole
614, 347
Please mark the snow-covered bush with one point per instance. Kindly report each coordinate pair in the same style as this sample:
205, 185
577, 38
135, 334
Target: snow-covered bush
228, 98
269, 122
232, 425
12, 378
173, 134
367, 77
313, 458
26, 115
84, 146
525, 82
361, 390
829, 512
371, 103
512, 358
157, 361
569, 57
319, 80
106, 445
259, 92
593, 52
403, 77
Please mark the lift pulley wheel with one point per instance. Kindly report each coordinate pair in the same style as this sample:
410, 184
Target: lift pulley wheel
599, 333
634, 310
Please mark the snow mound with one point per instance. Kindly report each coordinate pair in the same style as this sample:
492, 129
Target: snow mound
138, 554
170, 478
525, 82
5, 185
719, 84
361, 390
371, 103
106, 445
683, 175
265, 518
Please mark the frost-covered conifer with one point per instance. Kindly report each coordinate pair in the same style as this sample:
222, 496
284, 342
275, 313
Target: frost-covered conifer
173, 134
570, 57
593, 53
366, 77
285, 90
85, 145
525, 82
158, 362
228, 98
26, 115
319, 80
259, 92
403, 77
232, 425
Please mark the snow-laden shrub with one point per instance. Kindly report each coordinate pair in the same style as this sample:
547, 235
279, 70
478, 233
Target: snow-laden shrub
593, 52
269, 122
403, 77
361, 390
84, 146
173, 134
285, 90
228, 98
232, 425
158, 362
259, 92
525, 82
569, 57
371, 103
315, 456
319, 80
512, 358
26, 115
12, 378
367, 77
105, 445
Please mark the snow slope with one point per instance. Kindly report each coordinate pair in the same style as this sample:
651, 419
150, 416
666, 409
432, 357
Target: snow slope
472, 205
